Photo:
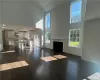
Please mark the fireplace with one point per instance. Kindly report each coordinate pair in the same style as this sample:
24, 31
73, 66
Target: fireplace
57, 46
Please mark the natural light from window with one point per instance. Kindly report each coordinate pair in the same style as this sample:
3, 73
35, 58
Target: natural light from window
39, 25
47, 20
47, 28
74, 37
75, 11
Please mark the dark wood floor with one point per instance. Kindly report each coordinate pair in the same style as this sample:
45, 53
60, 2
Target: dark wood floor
72, 68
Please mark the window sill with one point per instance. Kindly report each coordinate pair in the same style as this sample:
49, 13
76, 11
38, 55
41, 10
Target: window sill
74, 46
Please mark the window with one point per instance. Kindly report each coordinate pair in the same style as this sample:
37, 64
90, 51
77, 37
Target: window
47, 28
47, 21
39, 25
74, 37
75, 11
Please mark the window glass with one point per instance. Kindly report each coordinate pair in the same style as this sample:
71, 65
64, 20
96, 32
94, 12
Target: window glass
74, 37
47, 21
47, 28
75, 11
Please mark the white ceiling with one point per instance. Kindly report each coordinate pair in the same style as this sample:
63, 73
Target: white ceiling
49, 4
93, 1
44, 4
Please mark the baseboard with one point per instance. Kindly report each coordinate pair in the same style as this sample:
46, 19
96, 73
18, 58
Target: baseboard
73, 54
63, 52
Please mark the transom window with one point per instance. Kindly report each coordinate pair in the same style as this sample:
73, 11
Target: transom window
47, 28
75, 11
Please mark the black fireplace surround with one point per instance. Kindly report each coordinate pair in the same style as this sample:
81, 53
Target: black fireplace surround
57, 46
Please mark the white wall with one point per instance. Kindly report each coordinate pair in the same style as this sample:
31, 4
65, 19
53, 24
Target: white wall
92, 9
91, 44
60, 22
12, 13
60, 25
1, 45
0, 31
19, 12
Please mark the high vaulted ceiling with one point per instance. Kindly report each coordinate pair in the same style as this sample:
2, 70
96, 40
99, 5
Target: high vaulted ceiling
44, 4
49, 4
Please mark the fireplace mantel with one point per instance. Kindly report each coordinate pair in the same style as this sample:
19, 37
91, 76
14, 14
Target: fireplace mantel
60, 40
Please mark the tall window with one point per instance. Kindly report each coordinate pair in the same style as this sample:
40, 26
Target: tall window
74, 37
47, 28
39, 24
75, 11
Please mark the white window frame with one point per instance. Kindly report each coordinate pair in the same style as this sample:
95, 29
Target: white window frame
70, 11
47, 29
70, 37
39, 25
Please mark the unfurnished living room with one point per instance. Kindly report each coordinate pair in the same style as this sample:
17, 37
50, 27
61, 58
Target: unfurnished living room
49, 40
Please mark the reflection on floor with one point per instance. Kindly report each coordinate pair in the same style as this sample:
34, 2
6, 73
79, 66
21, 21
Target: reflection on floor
59, 56
8, 51
49, 58
55, 57
95, 76
13, 65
